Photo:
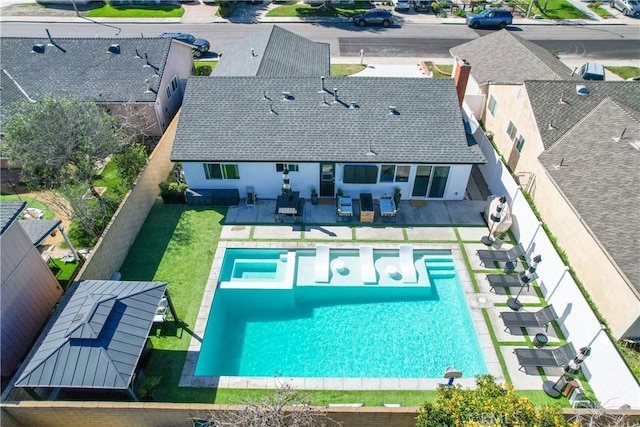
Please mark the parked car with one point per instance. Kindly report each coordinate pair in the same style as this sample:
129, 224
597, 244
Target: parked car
627, 7
634, 79
490, 18
421, 5
591, 71
401, 5
200, 46
374, 16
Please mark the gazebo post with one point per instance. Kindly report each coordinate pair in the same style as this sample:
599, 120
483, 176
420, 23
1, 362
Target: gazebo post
132, 393
171, 307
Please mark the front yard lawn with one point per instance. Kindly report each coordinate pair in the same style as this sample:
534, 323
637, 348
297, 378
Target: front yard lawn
156, 11
341, 70
559, 9
300, 10
624, 72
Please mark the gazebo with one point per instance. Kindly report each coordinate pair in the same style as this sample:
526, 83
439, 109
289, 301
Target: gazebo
94, 340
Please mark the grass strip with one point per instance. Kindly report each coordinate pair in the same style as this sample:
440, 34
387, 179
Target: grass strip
155, 11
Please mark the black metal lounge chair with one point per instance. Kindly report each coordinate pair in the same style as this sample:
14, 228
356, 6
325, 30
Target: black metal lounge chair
527, 319
545, 357
508, 281
488, 257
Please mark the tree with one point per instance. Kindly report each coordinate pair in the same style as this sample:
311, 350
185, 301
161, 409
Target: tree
487, 404
60, 140
286, 407
130, 161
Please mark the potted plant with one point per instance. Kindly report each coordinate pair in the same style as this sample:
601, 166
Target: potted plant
314, 196
397, 196
340, 193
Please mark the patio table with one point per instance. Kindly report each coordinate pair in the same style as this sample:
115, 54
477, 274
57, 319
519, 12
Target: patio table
366, 207
287, 204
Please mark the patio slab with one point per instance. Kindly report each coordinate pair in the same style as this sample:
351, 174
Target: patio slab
235, 232
328, 232
379, 233
520, 379
431, 233
286, 232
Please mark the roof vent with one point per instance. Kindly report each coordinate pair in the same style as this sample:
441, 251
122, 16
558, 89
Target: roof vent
561, 101
114, 48
582, 90
38, 48
322, 89
286, 96
392, 110
551, 126
619, 138
335, 95
635, 144
253, 53
353, 106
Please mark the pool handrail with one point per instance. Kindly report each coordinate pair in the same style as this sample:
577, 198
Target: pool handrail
367, 266
407, 264
322, 263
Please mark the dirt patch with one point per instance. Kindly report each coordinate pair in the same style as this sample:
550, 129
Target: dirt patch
33, 9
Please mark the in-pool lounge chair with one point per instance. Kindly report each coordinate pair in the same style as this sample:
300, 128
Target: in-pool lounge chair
488, 257
407, 265
367, 267
526, 319
508, 281
322, 263
545, 357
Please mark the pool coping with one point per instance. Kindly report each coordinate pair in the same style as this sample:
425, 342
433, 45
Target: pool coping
475, 304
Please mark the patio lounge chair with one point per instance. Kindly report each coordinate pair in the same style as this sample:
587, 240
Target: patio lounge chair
322, 263
526, 319
508, 281
545, 357
367, 267
488, 257
161, 311
407, 265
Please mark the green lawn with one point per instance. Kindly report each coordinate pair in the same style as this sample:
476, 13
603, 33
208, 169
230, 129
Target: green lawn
602, 13
559, 9
624, 72
32, 203
156, 11
446, 70
340, 70
301, 10
109, 176
64, 271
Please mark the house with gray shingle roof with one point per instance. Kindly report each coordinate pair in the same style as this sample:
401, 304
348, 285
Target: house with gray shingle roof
358, 135
574, 146
503, 58
146, 75
94, 340
273, 51
28, 290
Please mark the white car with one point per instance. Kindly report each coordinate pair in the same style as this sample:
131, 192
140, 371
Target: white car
402, 5
627, 7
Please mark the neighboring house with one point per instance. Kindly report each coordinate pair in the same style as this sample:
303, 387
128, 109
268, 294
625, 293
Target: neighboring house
29, 290
574, 146
503, 59
368, 134
143, 78
94, 340
273, 51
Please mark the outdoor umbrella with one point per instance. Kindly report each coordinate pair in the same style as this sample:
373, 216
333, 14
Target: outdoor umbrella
495, 216
574, 366
286, 188
527, 275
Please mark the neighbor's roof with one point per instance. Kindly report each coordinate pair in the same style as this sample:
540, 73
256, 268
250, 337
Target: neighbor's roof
95, 337
246, 119
277, 53
84, 67
9, 212
10, 90
557, 107
38, 230
600, 177
503, 57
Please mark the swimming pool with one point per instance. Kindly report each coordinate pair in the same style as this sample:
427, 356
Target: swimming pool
337, 329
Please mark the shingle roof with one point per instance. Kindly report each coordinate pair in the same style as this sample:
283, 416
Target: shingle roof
39, 230
277, 53
95, 337
229, 119
503, 57
554, 117
9, 212
600, 178
85, 68
10, 90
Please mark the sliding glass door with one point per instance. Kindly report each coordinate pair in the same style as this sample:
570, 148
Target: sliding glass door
430, 180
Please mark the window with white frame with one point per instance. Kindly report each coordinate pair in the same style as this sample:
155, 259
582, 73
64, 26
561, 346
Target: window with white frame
512, 131
519, 143
293, 167
387, 173
493, 106
402, 173
221, 171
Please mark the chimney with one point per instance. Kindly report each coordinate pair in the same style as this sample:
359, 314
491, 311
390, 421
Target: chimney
461, 77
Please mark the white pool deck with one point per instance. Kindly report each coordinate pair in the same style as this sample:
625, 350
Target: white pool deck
346, 237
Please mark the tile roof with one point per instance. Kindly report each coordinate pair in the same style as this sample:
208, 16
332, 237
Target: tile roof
555, 117
9, 212
246, 119
84, 67
38, 230
95, 337
600, 177
503, 57
277, 53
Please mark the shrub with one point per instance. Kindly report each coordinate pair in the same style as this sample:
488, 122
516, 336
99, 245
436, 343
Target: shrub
225, 8
488, 404
477, 10
594, 5
204, 70
173, 192
461, 13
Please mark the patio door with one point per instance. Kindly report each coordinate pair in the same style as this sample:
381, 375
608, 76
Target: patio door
431, 179
421, 181
327, 179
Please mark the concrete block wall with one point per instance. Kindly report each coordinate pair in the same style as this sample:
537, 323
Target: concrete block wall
112, 248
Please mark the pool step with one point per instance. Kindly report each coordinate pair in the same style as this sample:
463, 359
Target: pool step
439, 266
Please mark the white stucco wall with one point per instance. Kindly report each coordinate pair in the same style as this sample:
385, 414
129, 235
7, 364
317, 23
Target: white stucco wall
179, 63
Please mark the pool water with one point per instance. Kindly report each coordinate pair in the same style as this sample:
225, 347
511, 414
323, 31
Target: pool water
340, 331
